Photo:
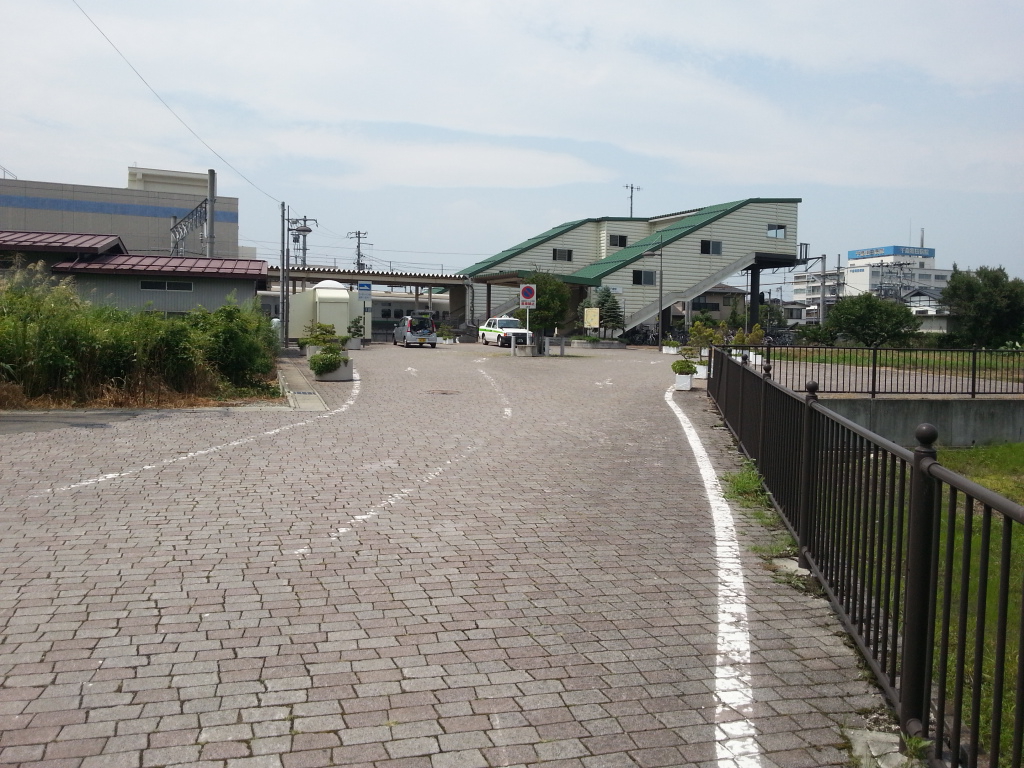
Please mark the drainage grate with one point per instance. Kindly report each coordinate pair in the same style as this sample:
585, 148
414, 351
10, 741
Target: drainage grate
295, 392
442, 392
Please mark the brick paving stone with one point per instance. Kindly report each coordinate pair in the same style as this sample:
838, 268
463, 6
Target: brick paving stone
384, 592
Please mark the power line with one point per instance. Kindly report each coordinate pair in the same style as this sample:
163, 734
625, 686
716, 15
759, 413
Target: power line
169, 109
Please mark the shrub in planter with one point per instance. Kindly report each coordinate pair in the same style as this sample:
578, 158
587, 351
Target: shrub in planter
328, 360
355, 328
683, 367
689, 352
670, 343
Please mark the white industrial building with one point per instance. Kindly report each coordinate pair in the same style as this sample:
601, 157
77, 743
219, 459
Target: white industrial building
141, 214
893, 272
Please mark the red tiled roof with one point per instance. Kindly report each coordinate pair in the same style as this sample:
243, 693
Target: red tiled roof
122, 264
60, 242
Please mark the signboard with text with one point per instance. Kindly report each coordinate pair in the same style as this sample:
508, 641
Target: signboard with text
528, 296
365, 291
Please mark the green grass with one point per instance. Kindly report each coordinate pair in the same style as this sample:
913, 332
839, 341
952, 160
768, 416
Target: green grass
987, 361
745, 487
1000, 468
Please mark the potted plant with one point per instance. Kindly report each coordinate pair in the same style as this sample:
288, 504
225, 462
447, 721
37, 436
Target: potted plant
684, 370
317, 335
330, 365
355, 332
446, 334
670, 347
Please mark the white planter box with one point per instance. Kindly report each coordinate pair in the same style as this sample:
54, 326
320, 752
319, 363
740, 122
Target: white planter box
670, 350
354, 344
684, 382
702, 371
343, 373
447, 341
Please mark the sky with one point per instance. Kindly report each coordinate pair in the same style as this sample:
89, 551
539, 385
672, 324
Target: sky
449, 130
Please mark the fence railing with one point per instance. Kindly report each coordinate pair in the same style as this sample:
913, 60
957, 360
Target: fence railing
925, 568
883, 371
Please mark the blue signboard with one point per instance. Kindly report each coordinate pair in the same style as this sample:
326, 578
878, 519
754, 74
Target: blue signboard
892, 250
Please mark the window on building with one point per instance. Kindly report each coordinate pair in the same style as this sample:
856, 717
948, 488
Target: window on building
617, 241
165, 285
713, 247
385, 314
645, 277
924, 276
940, 277
561, 254
777, 230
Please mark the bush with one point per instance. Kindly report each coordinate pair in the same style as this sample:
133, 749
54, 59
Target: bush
683, 367
327, 360
56, 345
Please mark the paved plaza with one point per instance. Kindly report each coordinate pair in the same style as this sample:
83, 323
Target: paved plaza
461, 560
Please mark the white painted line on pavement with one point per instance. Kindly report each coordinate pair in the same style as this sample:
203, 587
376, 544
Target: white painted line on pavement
193, 454
403, 493
735, 745
507, 414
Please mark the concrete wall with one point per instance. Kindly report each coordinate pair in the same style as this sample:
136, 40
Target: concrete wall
960, 423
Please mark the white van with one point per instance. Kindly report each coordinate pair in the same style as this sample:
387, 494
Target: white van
415, 331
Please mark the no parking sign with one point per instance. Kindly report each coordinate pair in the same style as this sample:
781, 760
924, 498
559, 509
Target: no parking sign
528, 296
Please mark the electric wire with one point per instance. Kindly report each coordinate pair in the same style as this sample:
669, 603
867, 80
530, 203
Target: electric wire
178, 117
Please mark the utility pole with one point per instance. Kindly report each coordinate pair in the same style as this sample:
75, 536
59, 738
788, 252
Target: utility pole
359, 248
821, 300
283, 306
301, 227
632, 189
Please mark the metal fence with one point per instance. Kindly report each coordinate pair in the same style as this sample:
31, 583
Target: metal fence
882, 371
924, 568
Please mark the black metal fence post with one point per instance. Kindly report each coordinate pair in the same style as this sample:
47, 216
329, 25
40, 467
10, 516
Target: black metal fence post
914, 685
974, 372
874, 371
804, 495
761, 426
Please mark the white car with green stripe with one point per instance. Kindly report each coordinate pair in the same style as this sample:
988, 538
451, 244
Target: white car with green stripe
501, 330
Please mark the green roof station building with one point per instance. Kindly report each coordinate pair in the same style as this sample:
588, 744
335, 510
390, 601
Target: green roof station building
647, 262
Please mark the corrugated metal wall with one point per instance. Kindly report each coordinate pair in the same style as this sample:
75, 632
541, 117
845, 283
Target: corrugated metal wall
127, 293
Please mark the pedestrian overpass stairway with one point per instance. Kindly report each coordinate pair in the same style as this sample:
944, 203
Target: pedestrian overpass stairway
650, 311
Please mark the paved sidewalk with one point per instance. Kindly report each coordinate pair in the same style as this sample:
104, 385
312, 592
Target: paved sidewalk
465, 560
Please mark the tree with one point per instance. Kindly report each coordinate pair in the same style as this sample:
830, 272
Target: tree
611, 311
872, 321
552, 302
986, 307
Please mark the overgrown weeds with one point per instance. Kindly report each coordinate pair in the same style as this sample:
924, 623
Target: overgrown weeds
58, 350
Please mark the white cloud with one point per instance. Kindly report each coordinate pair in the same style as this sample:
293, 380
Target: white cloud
375, 163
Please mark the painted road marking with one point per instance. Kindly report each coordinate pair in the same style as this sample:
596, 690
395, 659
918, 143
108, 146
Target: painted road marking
734, 737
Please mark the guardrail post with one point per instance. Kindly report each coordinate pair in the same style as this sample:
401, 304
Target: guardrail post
804, 497
914, 685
